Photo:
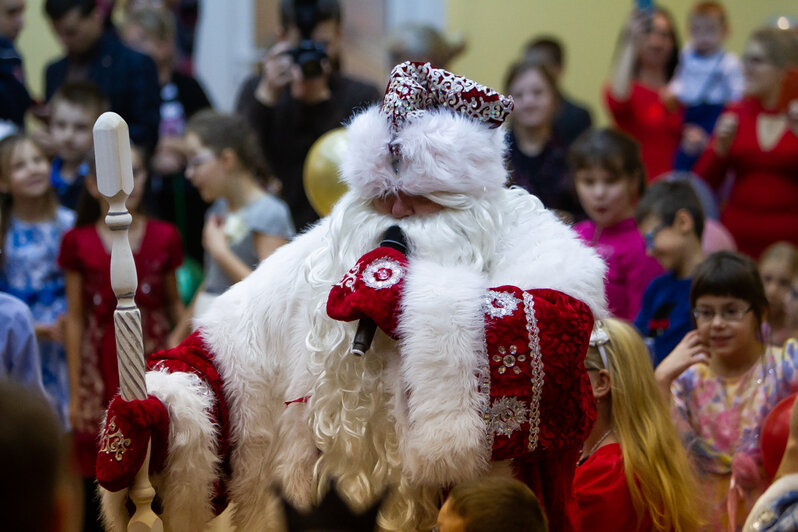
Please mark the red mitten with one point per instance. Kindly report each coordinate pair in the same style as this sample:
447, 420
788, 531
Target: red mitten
372, 288
129, 425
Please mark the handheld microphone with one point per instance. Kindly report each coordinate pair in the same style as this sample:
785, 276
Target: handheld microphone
393, 238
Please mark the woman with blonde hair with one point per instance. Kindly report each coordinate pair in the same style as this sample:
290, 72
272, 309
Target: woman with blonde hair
633, 473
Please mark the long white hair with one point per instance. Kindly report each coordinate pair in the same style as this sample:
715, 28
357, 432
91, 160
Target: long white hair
357, 401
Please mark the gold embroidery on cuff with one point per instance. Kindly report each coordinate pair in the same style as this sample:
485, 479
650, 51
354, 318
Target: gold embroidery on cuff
114, 442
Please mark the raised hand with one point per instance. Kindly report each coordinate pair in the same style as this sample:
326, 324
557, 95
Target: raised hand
372, 288
213, 238
725, 131
691, 350
277, 73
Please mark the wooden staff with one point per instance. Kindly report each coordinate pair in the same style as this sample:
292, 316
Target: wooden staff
115, 182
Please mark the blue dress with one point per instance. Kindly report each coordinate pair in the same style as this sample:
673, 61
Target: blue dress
30, 272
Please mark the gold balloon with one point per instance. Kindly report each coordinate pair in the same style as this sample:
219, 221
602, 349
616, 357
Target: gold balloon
320, 177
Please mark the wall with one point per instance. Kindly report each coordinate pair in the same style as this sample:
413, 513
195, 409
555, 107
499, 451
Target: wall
497, 31
38, 46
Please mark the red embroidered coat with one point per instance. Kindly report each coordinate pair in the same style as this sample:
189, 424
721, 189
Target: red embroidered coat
489, 366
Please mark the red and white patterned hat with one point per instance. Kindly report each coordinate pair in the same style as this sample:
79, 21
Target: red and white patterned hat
434, 132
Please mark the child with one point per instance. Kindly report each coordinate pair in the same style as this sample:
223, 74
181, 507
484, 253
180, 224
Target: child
244, 225
31, 229
170, 196
19, 352
34, 480
633, 474
492, 503
609, 179
778, 267
707, 78
537, 157
671, 220
90, 340
722, 380
75, 108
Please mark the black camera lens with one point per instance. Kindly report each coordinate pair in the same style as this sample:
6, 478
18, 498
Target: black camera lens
309, 56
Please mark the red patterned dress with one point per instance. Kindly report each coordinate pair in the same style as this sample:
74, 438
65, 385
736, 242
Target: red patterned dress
83, 252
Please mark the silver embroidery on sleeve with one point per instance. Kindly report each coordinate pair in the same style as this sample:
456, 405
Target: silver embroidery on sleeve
536, 361
507, 414
499, 304
483, 386
383, 273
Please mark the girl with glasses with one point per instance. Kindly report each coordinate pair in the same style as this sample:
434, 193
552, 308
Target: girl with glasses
722, 380
244, 224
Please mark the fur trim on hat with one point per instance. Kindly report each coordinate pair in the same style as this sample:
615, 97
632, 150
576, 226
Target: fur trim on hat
442, 151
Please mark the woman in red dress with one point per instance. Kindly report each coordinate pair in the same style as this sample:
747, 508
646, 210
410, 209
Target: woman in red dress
633, 473
90, 339
645, 61
757, 141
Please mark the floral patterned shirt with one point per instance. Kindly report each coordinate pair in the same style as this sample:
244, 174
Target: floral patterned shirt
718, 418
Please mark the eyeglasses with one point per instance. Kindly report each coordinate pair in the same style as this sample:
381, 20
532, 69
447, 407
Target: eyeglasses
755, 60
199, 159
651, 235
728, 314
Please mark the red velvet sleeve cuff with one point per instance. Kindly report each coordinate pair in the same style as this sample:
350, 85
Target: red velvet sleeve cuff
540, 398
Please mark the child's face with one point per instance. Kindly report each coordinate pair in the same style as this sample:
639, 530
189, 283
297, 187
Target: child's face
534, 100
71, 129
662, 241
29, 172
777, 279
607, 197
204, 169
723, 333
668, 242
707, 33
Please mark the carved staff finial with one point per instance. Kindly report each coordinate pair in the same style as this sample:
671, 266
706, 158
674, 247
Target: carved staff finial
115, 182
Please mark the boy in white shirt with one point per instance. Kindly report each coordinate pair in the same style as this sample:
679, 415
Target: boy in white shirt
708, 77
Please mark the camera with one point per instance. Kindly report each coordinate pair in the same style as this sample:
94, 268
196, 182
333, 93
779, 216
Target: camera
309, 54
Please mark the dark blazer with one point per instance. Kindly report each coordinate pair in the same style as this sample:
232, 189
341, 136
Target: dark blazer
14, 98
128, 79
570, 121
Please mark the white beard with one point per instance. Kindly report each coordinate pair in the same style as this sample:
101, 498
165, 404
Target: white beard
356, 401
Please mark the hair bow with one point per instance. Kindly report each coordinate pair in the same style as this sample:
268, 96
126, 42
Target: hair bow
599, 338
